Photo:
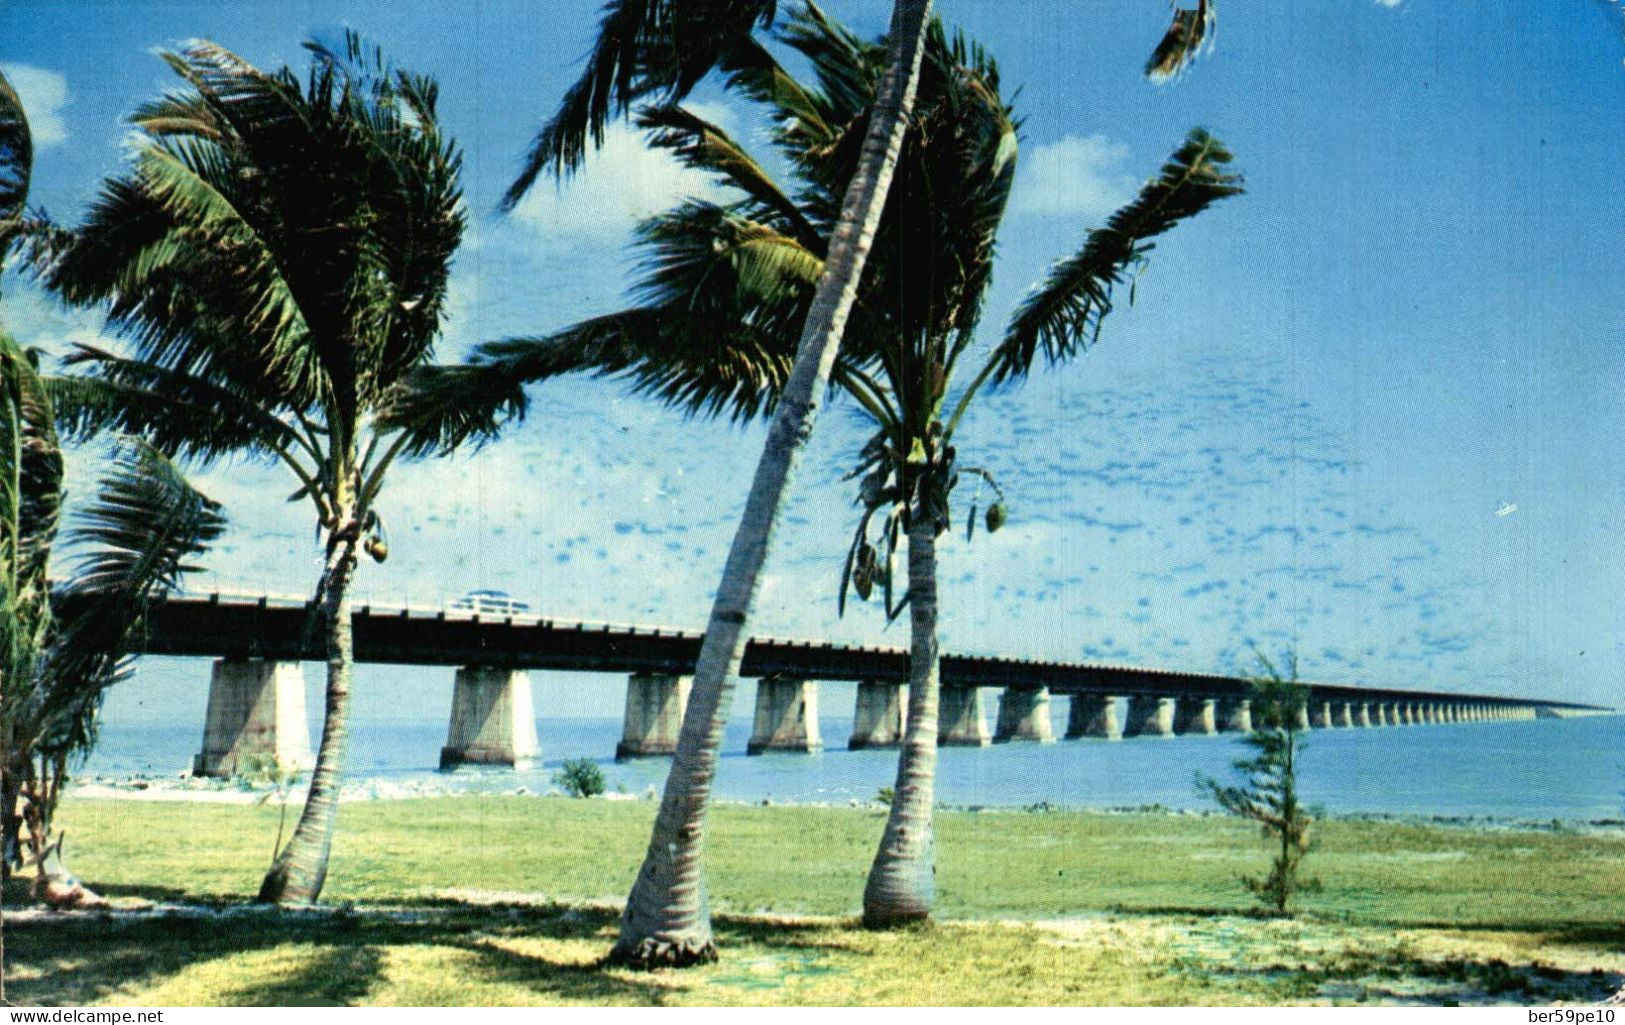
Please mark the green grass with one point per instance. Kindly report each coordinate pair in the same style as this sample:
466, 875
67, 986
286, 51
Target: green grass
509, 900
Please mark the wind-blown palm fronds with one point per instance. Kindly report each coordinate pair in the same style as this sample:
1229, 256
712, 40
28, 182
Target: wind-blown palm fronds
644, 49
717, 276
135, 541
277, 256
1062, 316
16, 156
63, 649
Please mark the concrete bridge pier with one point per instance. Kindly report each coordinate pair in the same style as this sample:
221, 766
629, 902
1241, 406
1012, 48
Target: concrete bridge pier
1362, 714
1093, 715
1379, 714
1321, 715
1194, 716
654, 714
256, 720
1235, 715
1343, 715
1024, 715
878, 719
786, 717
1149, 715
960, 719
493, 720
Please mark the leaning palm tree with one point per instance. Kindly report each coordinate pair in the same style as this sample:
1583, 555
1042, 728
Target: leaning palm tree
717, 329
278, 257
649, 47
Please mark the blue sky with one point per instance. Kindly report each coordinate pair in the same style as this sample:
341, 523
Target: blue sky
1367, 409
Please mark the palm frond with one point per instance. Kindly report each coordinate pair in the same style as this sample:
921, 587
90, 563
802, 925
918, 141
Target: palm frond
724, 367
438, 409
705, 257
848, 69
182, 416
31, 475
1190, 32
136, 539
16, 157
644, 48
803, 116
1063, 316
701, 145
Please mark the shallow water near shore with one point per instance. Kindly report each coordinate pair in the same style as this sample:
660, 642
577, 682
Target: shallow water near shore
1569, 769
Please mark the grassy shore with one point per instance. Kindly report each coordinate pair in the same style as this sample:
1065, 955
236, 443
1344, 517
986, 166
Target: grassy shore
511, 901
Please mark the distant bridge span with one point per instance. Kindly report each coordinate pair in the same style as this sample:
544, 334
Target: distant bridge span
492, 650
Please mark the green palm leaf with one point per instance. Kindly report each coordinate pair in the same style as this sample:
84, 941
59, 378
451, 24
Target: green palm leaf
438, 410
179, 413
30, 506
720, 368
644, 48
701, 145
137, 538
16, 156
1062, 317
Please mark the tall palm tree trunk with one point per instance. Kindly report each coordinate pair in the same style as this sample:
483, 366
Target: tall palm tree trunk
902, 883
667, 919
297, 875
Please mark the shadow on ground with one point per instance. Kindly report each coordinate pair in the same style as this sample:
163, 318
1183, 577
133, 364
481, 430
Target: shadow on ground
441, 950
318, 957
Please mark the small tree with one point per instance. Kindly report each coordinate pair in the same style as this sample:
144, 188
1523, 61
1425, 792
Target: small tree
580, 777
1269, 792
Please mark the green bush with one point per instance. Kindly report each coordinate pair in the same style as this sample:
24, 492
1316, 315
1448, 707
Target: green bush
580, 777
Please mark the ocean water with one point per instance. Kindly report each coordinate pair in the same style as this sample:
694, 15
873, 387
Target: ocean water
1572, 769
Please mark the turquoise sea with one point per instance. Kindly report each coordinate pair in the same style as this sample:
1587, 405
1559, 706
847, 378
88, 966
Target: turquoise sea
1570, 769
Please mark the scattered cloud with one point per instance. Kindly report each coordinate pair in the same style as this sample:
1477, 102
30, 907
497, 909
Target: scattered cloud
622, 182
44, 93
1390, 3
1085, 176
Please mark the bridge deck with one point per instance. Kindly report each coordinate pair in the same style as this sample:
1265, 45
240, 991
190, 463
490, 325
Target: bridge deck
229, 627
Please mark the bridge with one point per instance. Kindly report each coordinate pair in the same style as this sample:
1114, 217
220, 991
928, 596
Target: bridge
256, 706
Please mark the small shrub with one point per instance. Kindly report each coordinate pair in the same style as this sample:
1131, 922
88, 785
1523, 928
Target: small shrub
580, 777
884, 796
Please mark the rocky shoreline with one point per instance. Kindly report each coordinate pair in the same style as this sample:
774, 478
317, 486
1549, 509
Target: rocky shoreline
188, 788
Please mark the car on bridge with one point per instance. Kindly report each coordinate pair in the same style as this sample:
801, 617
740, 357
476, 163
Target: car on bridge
485, 600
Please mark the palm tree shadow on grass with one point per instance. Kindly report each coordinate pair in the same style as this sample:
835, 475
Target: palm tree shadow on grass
87, 959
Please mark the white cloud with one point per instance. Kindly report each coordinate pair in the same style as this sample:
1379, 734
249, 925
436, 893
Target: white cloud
1390, 3
622, 182
44, 93
1083, 176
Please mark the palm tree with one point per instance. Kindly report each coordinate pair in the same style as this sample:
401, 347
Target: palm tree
724, 291
278, 256
62, 646
649, 47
